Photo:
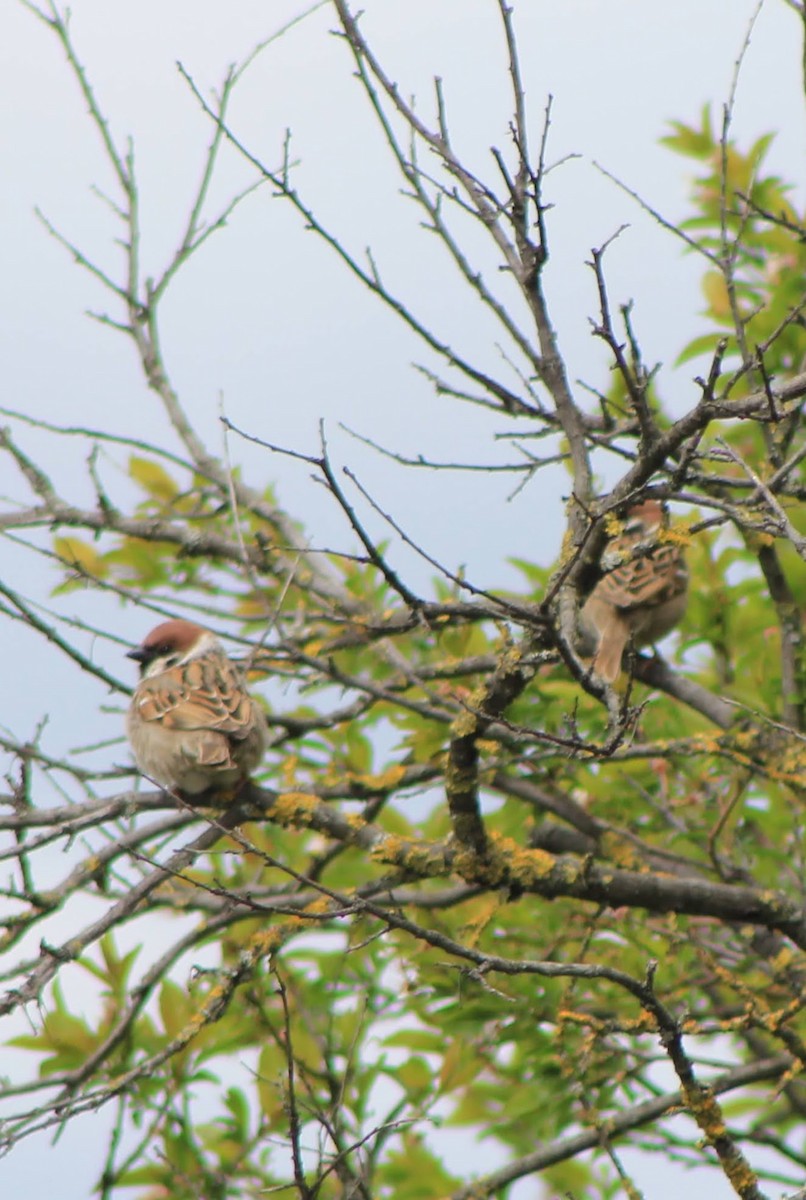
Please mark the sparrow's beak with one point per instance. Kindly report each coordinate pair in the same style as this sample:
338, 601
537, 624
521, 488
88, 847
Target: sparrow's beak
138, 654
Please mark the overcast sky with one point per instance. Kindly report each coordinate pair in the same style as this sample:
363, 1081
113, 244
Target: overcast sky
268, 319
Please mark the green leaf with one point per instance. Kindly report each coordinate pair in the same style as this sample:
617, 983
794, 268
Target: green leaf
416, 1039
176, 1009
80, 556
153, 479
271, 1073
414, 1076
238, 1105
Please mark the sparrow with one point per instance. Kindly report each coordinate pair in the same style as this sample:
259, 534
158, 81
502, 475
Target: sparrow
192, 725
642, 592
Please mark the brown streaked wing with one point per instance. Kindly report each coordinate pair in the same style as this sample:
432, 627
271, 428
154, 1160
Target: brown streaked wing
649, 579
202, 694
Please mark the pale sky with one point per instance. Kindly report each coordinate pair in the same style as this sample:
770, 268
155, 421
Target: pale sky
266, 317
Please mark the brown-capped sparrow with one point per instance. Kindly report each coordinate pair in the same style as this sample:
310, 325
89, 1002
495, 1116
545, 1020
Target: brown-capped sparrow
642, 592
191, 723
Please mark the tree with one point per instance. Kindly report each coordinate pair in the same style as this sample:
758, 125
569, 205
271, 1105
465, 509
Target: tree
472, 884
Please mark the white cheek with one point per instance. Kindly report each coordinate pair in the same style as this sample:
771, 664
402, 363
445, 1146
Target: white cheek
156, 667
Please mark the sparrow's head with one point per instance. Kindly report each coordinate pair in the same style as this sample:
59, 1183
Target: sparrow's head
172, 643
645, 518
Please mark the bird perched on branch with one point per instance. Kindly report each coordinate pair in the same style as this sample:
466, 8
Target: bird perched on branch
192, 725
642, 592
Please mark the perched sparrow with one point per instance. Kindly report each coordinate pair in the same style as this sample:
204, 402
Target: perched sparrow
642, 592
191, 723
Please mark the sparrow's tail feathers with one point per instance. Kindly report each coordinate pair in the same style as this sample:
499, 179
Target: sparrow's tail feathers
612, 644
